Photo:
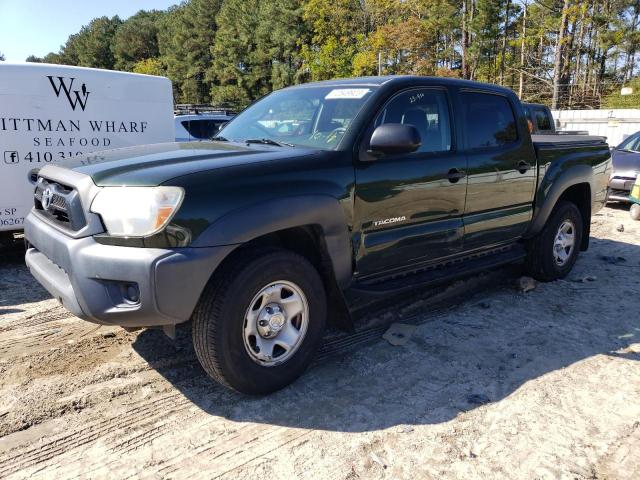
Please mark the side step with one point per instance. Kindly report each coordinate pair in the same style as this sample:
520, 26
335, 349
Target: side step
439, 273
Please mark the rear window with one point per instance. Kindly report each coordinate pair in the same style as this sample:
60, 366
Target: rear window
202, 129
489, 120
543, 122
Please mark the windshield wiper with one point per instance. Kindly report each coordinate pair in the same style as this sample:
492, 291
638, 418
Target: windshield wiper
268, 141
219, 138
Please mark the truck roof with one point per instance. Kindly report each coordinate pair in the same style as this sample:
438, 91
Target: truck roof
403, 79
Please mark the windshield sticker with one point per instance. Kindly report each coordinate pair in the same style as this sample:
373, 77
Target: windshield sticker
346, 93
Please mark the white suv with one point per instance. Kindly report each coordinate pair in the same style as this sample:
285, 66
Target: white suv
199, 123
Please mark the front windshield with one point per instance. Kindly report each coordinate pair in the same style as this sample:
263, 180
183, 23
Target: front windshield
631, 144
314, 117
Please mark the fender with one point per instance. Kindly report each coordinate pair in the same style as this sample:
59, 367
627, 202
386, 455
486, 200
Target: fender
552, 186
245, 224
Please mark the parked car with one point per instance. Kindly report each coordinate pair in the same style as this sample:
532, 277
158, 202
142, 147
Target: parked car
54, 112
311, 202
199, 122
542, 122
626, 167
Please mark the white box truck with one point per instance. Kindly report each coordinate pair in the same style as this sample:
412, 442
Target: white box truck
49, 113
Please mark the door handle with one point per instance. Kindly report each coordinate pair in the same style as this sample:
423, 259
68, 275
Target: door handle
523, 166
454, 175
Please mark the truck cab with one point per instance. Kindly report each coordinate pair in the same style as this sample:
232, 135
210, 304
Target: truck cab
307, 205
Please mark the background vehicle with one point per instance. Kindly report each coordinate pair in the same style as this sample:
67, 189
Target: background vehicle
199, 122
543, 123
626, 166
51, 113
313, 201
634, 198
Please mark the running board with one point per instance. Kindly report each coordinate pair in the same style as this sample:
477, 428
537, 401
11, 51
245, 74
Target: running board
439, 273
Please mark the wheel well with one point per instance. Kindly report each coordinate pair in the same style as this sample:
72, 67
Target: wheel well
307, 241
580, 196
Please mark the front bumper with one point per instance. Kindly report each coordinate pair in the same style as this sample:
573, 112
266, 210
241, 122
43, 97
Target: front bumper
620, 188
93, 280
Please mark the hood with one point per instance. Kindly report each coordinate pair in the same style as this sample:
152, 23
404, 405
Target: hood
625, 161
151, 165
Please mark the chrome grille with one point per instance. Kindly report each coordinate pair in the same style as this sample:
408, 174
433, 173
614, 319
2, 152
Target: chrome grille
62, 205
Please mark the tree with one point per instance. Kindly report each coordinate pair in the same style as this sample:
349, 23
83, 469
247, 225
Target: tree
136, 39
150, 66
567, 52
616, 100
337, 29
91, 47
185, 37
1, 57
33, 59
559, 56
255, 49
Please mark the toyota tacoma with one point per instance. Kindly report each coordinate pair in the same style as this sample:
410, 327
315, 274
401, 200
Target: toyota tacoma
309, 203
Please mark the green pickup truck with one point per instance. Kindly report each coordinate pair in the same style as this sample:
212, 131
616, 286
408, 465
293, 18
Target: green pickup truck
311, 202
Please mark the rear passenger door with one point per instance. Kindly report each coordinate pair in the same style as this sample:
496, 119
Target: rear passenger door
408, 207
501, 169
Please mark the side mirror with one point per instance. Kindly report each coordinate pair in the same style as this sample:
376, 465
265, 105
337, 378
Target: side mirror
395, 138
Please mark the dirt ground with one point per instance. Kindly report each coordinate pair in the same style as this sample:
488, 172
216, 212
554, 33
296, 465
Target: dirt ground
494, 383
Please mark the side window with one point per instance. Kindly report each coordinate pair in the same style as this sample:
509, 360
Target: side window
542, 119
632, 143
425, 109
488, 120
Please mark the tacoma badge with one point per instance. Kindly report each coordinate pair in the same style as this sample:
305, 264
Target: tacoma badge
387, 221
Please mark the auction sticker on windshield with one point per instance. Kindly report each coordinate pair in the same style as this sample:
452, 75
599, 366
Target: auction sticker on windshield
346, 93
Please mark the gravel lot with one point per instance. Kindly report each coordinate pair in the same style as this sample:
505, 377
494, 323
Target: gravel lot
494, 383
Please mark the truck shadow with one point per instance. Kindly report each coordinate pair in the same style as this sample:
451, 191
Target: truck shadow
478, 351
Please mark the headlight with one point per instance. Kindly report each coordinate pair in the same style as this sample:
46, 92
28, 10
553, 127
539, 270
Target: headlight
136, 211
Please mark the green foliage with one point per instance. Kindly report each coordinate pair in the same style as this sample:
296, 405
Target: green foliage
337, 28
1, 57
150, 66
616, 100
255, 49
185, 37
136, 39
234, 51
91, 47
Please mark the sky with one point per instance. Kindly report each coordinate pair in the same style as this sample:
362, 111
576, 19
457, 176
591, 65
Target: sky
37, 27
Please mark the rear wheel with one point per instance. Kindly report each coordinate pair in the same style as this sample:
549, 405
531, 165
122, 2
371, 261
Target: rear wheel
260, 321
553, 252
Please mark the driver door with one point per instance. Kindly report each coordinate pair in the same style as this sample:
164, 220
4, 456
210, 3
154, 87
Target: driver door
408, 207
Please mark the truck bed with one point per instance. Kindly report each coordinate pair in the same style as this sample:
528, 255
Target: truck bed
560, 141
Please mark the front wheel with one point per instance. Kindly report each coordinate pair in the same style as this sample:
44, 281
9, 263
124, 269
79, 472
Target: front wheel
260, 321
553, 252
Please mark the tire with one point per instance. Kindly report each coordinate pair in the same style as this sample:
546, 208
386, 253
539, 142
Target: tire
542, 261
634, 211
224, 348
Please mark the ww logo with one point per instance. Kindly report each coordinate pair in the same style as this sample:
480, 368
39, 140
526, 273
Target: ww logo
75, 97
